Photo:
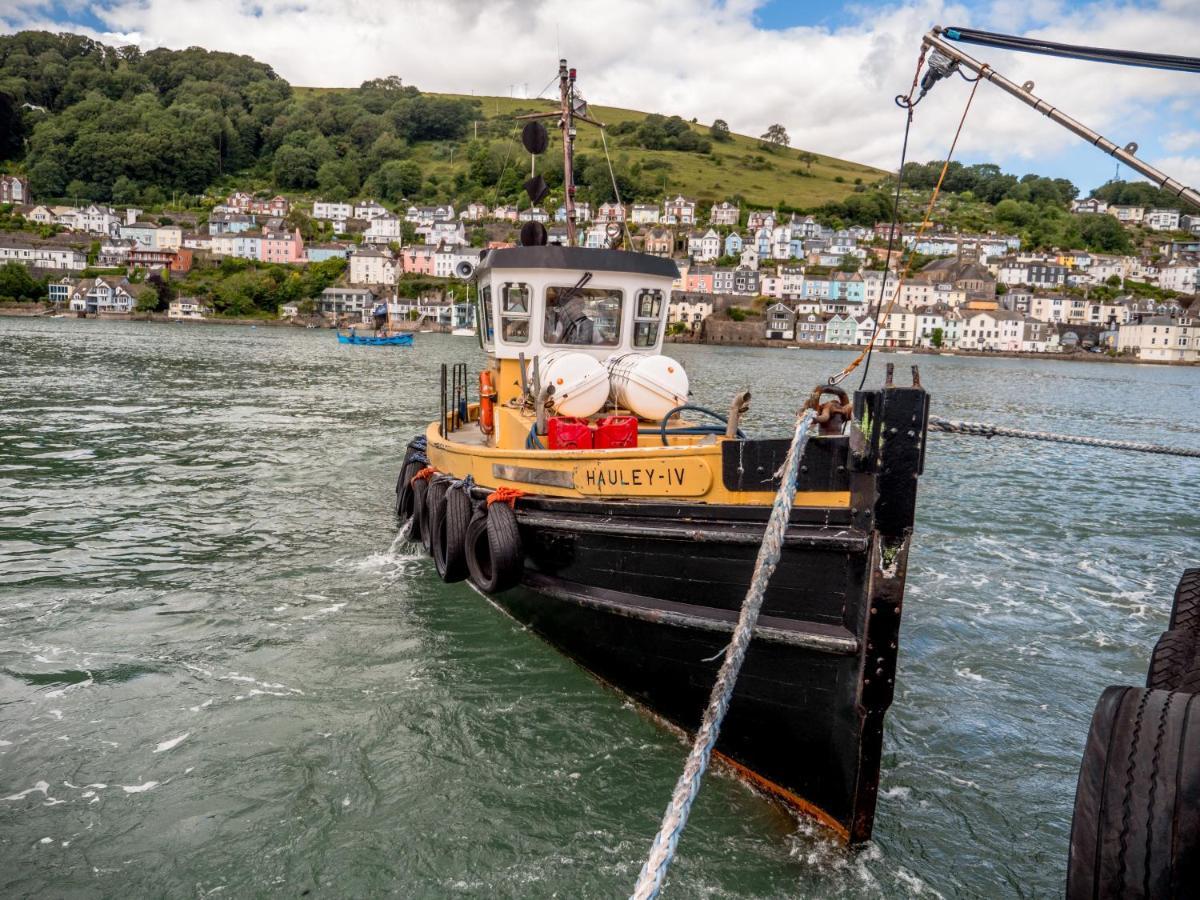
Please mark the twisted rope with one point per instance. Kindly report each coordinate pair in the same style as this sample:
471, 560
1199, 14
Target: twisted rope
983, 429
654, 872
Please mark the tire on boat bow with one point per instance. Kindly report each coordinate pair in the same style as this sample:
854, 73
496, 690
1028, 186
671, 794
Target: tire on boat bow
493, 549
451, 519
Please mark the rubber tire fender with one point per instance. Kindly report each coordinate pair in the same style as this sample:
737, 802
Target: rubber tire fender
404, 490
420, 497
494, 554
1135, 831
1173, 655
450, 521
1185, 609
438, 485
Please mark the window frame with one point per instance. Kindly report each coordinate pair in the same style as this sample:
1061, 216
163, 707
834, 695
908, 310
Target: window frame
656, 319
510, 316
614, 292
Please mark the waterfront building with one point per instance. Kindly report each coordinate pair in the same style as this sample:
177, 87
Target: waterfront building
1161, 339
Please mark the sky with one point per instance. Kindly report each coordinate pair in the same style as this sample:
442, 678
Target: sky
827, 70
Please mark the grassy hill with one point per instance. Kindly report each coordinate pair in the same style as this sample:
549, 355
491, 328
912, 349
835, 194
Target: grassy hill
737, 167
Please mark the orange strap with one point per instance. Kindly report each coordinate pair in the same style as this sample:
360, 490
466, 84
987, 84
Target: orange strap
424, 474
505, 495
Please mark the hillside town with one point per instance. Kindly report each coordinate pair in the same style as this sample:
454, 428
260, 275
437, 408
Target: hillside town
746, 276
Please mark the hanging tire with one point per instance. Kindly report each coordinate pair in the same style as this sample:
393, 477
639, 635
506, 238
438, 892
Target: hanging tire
1185, 610
493, 547
1136, 826
438, 485
1173, 655
420, 495
450, 521
404, 490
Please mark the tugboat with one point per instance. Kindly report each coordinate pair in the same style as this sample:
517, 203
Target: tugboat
583, 494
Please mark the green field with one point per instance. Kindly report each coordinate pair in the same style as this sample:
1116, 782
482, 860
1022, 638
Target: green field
728, 171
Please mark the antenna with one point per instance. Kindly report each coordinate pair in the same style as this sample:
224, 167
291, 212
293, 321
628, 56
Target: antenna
569, 110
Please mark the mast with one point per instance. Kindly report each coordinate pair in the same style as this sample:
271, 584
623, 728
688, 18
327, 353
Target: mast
1024, 93
566, 90
567, 113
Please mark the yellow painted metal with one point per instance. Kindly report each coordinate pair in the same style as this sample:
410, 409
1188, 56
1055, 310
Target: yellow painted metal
565, 473
690, 467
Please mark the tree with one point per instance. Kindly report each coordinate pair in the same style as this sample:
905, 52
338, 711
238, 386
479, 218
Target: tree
719, 131
776, 136
936, 337
396, 180
808, 158
17, 284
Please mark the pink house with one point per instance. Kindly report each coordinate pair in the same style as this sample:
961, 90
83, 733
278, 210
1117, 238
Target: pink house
418, 259
699, 281
282, 247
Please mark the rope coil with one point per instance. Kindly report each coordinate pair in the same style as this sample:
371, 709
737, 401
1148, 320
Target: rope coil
654, 872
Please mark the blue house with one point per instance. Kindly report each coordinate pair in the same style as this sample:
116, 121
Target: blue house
322, 252
733, 244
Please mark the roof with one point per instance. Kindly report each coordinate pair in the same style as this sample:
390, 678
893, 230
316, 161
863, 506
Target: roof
581, 258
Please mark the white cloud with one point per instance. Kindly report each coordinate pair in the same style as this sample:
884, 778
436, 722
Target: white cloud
832, 88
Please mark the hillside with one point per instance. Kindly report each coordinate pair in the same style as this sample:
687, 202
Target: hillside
739, 167
88, 121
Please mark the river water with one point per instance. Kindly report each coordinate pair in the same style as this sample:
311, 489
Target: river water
220, 673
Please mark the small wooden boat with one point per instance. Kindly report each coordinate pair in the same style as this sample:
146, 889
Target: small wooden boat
572, 495
382, 336
399, 339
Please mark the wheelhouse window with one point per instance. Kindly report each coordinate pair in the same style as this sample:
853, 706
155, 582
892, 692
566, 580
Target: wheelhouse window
647, 315
516, 301
589, 317
487, 332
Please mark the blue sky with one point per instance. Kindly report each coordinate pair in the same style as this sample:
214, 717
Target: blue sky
827, 70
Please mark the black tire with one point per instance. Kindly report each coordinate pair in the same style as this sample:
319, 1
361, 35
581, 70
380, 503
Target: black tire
450, 522
1136, 827
420, 495
493, 546
437, 490
1185, 610
404, 490
1173, 655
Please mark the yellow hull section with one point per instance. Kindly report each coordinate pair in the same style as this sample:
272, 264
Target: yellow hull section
648, 472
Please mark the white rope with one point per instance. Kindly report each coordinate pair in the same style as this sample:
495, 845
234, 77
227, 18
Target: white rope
616, 191
983, 429
654, 872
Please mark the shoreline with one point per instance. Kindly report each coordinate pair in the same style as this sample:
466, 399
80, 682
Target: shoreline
1074, 356
37, 311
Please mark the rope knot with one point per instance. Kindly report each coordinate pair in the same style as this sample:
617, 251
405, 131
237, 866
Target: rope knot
505, 495
424, 475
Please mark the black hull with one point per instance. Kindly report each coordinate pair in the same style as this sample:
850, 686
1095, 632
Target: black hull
645, 595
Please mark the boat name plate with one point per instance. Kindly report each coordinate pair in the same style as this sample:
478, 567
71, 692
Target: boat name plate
674, 477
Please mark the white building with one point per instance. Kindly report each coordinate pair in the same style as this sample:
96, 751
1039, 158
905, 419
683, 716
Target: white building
369, 210
644, 214
41, 255
1161, 219
383, 229
328, 211
1161, 339
689, 309
371, 266
1180, 276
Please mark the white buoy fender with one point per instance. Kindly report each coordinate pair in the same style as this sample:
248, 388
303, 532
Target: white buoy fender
580, 382
649, 386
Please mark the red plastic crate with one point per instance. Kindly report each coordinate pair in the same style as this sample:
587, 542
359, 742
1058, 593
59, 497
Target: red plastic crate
567, 433
616, 431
